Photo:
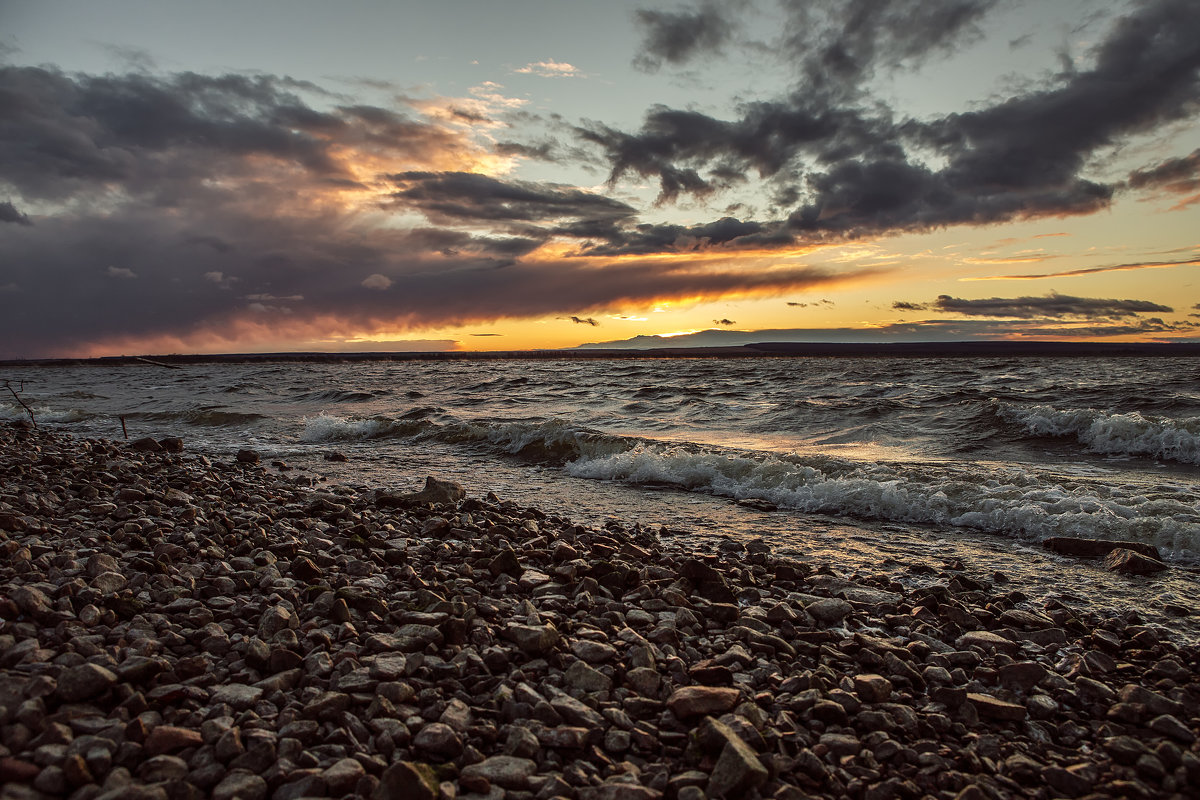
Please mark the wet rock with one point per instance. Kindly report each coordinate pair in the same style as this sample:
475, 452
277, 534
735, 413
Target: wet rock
248, 457
1096, 548
988, 641
1128, 562
830, 610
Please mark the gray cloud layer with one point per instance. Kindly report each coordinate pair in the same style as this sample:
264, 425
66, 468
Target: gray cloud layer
1054, 306
848, 167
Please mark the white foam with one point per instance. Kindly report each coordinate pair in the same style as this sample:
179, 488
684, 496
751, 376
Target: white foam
330, 428
1128, 434
1011, 502
12, 411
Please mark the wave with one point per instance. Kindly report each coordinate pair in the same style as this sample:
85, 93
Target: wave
340, 396
1015, 503
12, 412
202, 417
1130, 434
553, 441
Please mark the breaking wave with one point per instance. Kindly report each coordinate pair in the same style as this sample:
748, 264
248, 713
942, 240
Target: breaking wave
1016, 503
1129, 434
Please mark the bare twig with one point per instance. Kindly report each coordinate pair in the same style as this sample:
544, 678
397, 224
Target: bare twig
157, 363
17, 397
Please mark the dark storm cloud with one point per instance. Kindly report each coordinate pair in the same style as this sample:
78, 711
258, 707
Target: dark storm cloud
458, 196
9, 213
675, 36
839, 44
60, 134
866, 173
1175, 175
645, 239
1058, 306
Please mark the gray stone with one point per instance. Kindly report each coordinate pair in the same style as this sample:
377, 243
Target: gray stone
829, 610
84, 682
507, 771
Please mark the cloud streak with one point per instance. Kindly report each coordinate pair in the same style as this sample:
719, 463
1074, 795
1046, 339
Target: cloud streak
1052, 306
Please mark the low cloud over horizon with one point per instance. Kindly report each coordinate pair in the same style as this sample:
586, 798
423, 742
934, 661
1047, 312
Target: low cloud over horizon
191, 211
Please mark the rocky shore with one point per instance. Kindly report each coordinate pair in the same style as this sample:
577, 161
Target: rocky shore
176, 627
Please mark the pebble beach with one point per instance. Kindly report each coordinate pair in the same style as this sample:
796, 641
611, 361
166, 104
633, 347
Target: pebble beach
177, 626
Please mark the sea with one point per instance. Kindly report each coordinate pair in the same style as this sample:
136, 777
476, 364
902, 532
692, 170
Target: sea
905, 467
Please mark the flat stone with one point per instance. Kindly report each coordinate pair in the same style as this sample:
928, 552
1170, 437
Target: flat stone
564, 737
507, 771
170, 738
618, 791
829, 610
1096, 548
238, 695
694, 701
988, 641
995, 708
593, 652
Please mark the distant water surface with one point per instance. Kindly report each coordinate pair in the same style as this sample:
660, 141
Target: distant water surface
871, 463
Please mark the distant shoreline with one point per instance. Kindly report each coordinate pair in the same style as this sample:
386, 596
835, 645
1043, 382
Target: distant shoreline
759, 350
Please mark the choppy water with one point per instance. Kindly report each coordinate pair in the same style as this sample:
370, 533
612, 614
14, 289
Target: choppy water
871, 462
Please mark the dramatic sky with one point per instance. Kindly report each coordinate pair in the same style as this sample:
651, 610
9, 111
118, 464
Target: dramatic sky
301, 175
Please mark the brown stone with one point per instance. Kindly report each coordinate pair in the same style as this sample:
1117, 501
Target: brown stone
170, 738
1095, 548
694, 701
994, 708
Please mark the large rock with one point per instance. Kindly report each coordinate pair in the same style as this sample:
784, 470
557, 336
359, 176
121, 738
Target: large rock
1095, 548
405, 780
738, 770
436, 491
830, 610
1130, 562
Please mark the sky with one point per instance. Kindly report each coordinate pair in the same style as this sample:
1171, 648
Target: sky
290, 175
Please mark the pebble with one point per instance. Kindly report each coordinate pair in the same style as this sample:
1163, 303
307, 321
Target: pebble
181, 628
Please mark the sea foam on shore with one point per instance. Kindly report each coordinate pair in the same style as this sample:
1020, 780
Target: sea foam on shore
175, 627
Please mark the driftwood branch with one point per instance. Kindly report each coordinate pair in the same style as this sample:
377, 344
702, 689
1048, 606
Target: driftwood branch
17, 396
157, 363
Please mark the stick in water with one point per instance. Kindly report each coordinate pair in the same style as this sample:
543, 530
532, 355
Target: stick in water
123, 427
28, 410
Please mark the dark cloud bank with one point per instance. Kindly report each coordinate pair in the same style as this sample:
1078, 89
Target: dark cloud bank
126, 194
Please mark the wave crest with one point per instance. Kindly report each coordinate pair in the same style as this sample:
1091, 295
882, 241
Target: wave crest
1129, 434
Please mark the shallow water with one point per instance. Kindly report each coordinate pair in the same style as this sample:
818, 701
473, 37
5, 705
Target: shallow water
874, 464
